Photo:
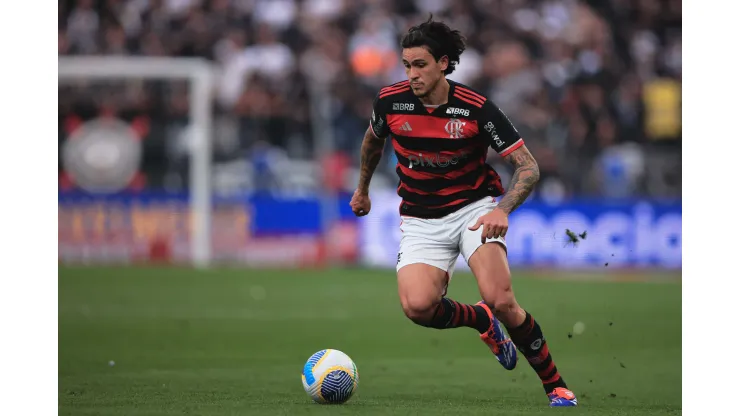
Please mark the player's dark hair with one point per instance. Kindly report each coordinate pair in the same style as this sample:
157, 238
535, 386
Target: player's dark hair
438, 39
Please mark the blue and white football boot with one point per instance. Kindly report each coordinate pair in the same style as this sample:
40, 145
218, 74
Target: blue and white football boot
498, 341
562, 397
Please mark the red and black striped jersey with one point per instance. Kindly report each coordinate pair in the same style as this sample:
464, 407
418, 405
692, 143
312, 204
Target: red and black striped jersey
442, 151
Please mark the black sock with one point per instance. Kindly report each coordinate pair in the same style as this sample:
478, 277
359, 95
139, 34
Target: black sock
451, 314
529, 340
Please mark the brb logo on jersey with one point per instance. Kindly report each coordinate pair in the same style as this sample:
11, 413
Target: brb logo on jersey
454, 128
403, 107
458, 111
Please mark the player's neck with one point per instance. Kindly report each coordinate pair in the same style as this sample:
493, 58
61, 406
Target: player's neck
438, 96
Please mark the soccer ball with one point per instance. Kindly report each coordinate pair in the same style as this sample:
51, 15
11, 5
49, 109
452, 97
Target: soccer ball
330, 377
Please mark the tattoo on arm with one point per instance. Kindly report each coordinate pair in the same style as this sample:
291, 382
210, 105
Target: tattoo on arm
372, 150
526, 175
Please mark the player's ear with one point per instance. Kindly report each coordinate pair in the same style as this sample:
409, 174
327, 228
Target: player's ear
443, 63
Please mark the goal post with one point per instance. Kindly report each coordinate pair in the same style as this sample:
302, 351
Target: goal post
200, 75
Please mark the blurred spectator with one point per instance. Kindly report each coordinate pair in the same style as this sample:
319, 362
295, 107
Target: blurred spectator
82, 27
373, 49
594, 86
267, 58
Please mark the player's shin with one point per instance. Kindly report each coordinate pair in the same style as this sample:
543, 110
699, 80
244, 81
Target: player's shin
531, 343
452, 314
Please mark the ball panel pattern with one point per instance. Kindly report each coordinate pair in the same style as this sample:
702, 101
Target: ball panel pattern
337, 386
310, 364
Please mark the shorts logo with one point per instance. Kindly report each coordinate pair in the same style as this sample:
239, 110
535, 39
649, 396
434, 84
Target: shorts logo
454, 128
458, 111
403, 107
398, 260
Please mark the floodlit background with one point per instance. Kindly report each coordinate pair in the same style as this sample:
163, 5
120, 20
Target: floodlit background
594, 87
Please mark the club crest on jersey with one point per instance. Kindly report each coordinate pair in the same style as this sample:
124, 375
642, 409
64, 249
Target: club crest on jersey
403, 107
458, 111
454, 128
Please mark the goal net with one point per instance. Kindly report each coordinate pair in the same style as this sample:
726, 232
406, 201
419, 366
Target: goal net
153, 169
128, 126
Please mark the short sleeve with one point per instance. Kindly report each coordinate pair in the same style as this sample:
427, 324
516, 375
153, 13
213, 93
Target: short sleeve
504, 138
378, 123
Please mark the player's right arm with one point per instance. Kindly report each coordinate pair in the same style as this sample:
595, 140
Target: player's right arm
370, 153
372, 150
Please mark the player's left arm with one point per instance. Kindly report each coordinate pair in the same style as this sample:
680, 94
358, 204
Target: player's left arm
525, 177
505, 139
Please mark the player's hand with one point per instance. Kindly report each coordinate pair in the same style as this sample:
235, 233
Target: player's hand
360, 203
495, 224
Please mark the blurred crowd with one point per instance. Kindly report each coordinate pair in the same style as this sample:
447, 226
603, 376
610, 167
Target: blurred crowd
594, 86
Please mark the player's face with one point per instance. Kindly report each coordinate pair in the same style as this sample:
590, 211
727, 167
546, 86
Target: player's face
422, 70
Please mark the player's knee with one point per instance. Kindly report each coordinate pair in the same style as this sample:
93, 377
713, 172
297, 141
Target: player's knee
502, 302
418, 309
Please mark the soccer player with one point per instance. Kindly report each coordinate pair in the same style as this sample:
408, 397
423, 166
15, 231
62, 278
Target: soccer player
441, 131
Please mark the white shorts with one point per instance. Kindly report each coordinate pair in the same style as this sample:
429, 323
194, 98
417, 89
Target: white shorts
438, 242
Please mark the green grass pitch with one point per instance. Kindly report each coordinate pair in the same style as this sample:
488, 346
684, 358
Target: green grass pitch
233, 342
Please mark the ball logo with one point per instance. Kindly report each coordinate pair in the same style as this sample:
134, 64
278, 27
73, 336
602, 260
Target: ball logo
102, 155
455, 128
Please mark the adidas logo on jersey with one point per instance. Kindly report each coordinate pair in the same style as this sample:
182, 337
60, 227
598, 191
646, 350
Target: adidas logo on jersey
458, 111
406, 126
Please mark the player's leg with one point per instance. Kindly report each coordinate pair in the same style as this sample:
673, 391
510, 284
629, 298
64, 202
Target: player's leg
491, 269
489, 264
421, 289
426, 261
